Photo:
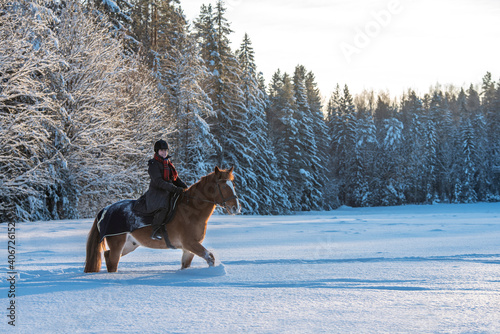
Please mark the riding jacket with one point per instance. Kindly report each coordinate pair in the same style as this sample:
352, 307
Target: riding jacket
164, 181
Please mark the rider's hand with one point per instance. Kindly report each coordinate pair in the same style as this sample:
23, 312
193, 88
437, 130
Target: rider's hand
179, 190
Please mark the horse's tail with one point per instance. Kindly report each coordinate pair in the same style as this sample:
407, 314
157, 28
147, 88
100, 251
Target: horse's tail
94, 248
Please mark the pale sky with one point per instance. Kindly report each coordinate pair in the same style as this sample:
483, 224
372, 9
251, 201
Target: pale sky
370, 44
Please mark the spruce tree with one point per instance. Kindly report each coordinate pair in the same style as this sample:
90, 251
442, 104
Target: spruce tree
230, 124
320, 130
263, 185
284, 133
180, 73
412, 117
490, 105
347, 162
305, 158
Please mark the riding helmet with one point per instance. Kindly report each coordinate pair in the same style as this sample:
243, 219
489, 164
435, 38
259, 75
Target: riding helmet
160, 144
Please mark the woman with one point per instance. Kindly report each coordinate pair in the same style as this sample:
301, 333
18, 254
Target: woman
164, 184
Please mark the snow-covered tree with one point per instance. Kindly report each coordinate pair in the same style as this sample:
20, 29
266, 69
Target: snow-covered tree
88, 102
491, 107
320, 131
230, 125
117, 11
344, 139
445, 148
180, 72
389, 182
266, 193
284, 132
306, 161
415, 163
27, 162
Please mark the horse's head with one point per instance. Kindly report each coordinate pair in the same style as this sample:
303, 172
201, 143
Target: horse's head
226, 193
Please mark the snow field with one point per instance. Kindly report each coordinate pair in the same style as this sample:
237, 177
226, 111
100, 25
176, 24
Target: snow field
425, 269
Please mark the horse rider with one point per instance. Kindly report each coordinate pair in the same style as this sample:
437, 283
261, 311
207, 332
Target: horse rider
164, 187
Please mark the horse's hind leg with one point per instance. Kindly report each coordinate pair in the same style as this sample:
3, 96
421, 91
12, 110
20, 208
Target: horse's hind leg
112, 256
187, 257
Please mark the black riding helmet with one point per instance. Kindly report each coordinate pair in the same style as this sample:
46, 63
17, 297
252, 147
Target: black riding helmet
160, 144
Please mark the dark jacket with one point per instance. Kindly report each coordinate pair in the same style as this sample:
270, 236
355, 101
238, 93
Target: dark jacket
160, 190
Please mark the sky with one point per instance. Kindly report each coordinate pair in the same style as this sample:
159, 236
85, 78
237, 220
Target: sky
380, 45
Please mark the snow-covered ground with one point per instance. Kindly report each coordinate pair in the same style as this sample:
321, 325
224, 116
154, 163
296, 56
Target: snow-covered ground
409, 269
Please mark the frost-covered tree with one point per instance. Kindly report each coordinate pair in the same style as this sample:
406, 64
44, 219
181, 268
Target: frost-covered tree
389, 182
107, 106
180, 73
366, 145
491, 107
91, 101
416, 163
483, 176
466, 188
118, 12
347, 162
306, 160
230, 125
266, 193
445, 149
322, 138
27, 161
284, 133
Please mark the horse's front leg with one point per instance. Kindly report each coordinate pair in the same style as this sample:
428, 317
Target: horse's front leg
198, 249
187, 257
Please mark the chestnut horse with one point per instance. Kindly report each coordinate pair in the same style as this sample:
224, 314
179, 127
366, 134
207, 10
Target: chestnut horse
186, 230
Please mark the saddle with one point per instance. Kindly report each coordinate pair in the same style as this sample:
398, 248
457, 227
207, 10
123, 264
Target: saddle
167, 212
165, 215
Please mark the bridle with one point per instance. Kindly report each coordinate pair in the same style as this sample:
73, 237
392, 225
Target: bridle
223, 201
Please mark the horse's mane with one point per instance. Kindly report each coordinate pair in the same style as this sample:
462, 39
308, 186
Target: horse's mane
208, 178
202, 181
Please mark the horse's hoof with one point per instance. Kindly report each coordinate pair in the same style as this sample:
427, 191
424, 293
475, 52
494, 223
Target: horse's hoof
211, 260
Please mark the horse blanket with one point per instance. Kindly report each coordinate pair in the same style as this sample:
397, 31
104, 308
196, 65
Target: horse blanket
119, 218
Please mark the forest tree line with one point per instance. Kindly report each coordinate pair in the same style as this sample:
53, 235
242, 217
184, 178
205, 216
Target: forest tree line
86, 88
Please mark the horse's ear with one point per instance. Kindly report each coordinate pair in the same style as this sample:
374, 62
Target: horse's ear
231, 170
216, 170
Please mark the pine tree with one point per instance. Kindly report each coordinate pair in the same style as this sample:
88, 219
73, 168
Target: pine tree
305, 159
320, 130
230, 125
494, 120
180, 72
467, 193
415, 166
284, 133
366, 144
347, 162
469, 147
333, 124
119, 12
446, 150
264, 187
389, 182
490, 105
483, 175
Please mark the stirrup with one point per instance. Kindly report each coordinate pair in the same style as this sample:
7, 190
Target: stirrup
156, 234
